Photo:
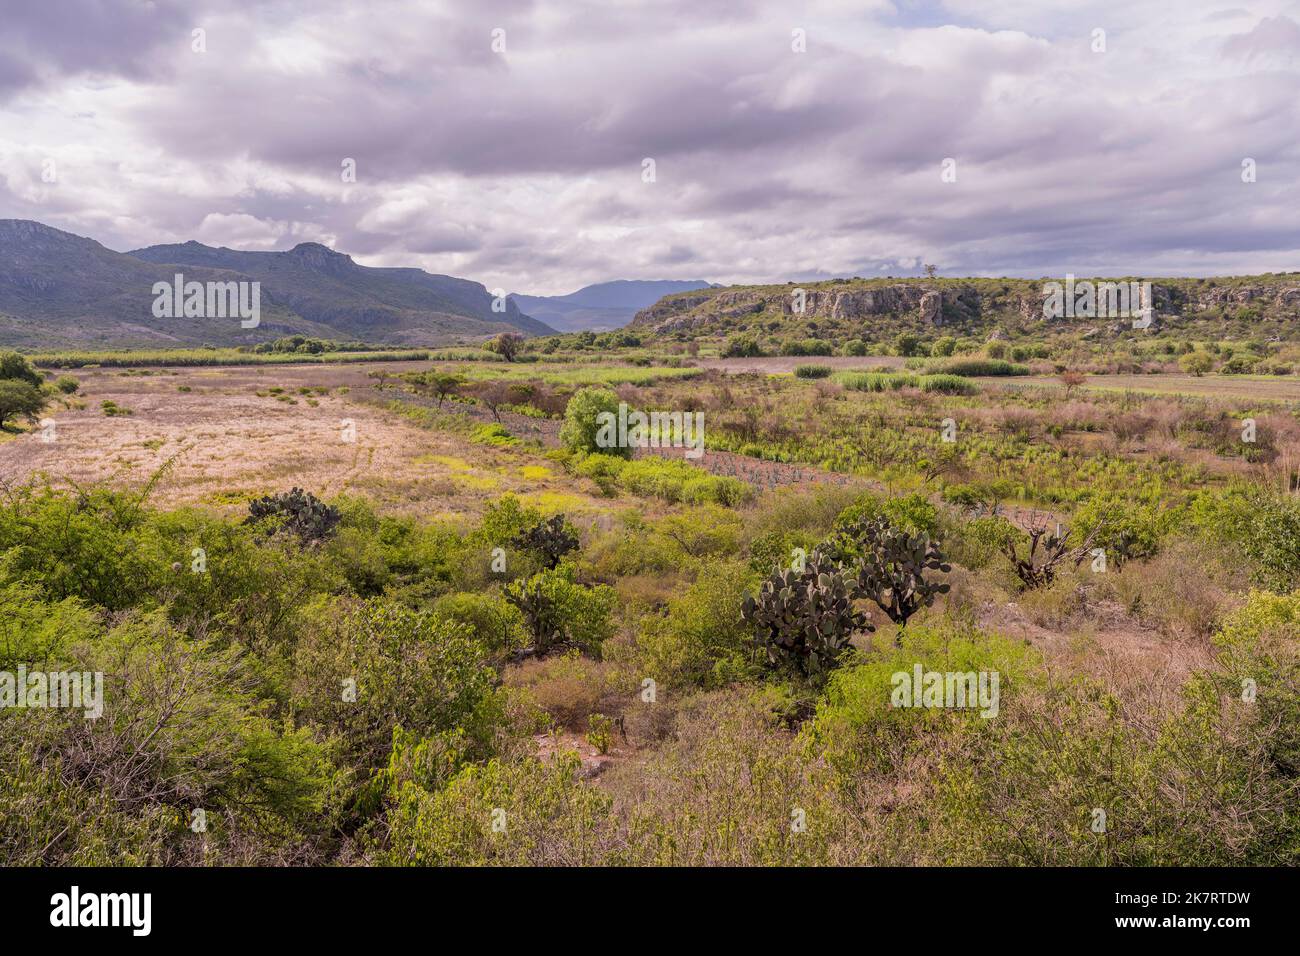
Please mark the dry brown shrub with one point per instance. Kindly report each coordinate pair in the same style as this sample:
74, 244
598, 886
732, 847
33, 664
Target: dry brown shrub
569, 688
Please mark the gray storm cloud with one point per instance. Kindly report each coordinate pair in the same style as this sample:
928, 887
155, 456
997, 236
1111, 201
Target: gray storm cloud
522, 166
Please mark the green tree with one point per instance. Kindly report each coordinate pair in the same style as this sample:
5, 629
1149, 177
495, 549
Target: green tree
19, 398
907, 343
582, 424
1196, 363
506, 345
14, 366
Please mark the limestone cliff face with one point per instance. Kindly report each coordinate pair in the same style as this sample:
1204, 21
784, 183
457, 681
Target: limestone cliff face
967, 304
699, 310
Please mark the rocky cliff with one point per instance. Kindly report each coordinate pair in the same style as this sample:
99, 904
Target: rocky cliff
963, 305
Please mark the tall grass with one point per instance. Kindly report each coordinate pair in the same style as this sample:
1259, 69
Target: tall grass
876, 381
812, 371
892, 381
977, 366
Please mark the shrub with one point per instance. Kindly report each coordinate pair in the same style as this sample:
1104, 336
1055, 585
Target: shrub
913, 513
877, 381
1123, 528
948, 385
739, 346
494, 622
67, 384
700, 640
979, 367
552, 817
493, 433
507, 345
559, 612
1039, 565
1238, 365
1259, 647
551, 539
15, 367
582, 425
907, 343
669, 478
368, 667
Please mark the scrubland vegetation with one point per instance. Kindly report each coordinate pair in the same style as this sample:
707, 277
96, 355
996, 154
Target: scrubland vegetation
706, 677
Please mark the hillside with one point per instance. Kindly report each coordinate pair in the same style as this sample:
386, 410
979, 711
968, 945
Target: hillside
876, 310
58, 289
603, 306
375, 304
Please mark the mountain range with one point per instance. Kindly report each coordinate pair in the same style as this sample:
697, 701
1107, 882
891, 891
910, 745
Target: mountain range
62, 290
603, 306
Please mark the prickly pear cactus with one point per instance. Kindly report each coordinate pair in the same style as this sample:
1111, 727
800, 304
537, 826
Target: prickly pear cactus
297, 511
805, 618
551, 539
888, 565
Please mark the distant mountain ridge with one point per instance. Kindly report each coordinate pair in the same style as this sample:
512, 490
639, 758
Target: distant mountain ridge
58, 289
603, 306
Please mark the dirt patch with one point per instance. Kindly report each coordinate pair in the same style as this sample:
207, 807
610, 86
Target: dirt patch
226, 442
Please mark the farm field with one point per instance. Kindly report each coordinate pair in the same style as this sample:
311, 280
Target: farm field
575, 634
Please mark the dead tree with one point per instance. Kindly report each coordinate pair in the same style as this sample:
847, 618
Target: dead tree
1047, 550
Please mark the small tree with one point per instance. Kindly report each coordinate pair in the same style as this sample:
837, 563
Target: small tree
15, 366
1196, 363
907, 344
1047, 551
19, 398
1071, 380
506, 345
559, 612
492, 395
440, 384
581, 424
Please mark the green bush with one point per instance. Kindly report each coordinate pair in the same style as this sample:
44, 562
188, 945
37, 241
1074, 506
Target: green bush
15, 367
494, 622
582, 424
494, 434
700, 640
671, 479
559, 612
876, 381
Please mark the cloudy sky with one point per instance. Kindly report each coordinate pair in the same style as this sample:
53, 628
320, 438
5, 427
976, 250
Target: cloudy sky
506, 141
